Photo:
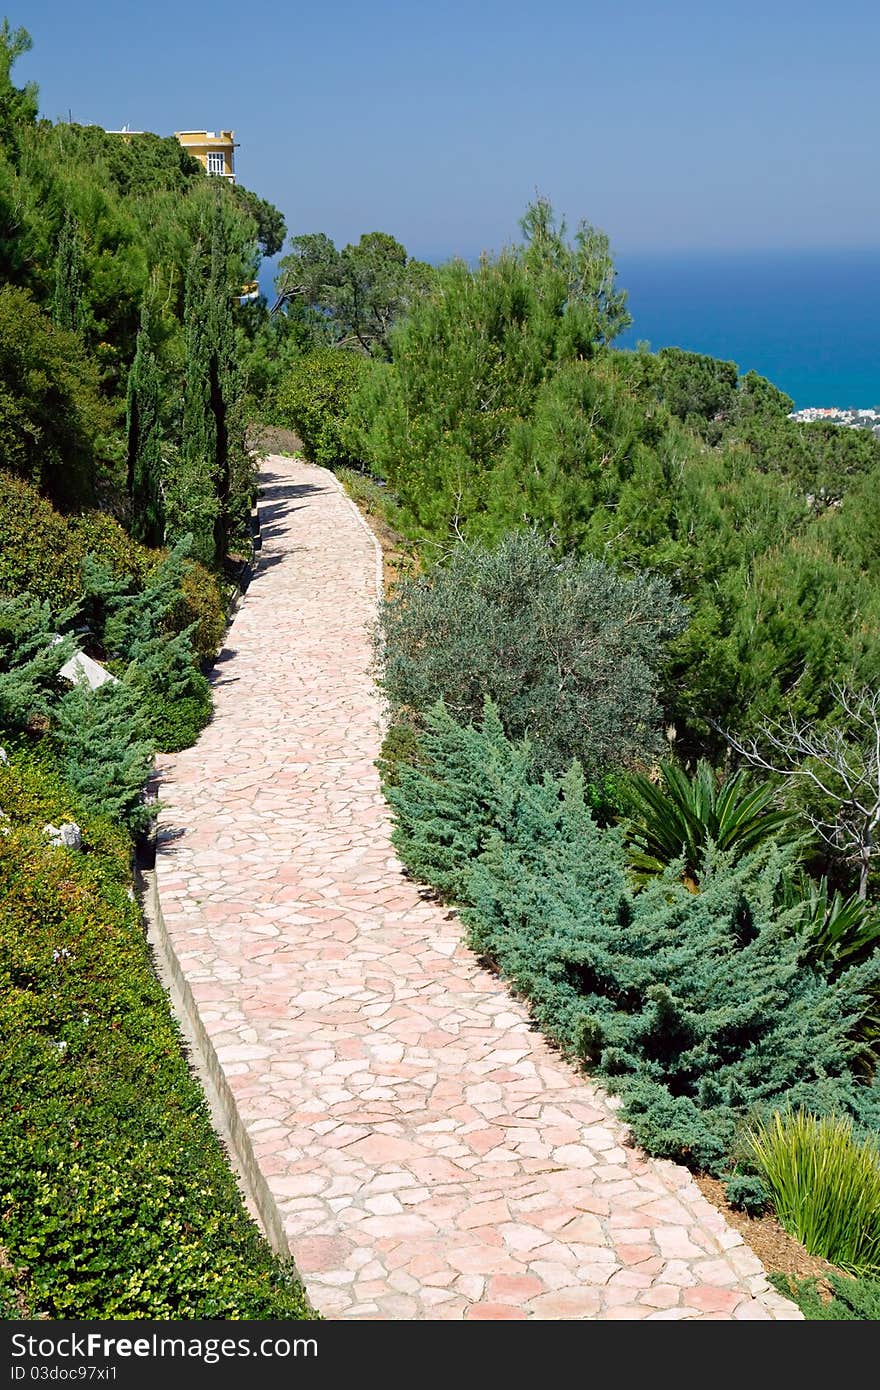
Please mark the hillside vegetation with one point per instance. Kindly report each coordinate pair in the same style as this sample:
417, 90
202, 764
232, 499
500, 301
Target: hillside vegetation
125, 493
634, 713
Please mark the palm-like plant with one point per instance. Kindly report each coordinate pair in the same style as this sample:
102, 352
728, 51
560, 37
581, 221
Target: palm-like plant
843, 931
679, 815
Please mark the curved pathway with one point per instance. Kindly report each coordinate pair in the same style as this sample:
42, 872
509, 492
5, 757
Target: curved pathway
425, 1153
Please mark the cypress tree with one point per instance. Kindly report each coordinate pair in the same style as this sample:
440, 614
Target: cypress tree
233, 470
194, 507
143, 426
67, 299
216, 475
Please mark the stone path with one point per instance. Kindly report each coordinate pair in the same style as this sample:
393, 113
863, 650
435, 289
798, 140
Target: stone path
428, 1154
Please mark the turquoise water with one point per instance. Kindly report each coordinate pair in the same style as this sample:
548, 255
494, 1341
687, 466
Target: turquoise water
810, 321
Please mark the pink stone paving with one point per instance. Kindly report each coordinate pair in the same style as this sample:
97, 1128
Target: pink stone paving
429, 1154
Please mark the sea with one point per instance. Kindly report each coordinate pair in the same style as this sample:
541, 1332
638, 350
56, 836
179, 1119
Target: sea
807, 320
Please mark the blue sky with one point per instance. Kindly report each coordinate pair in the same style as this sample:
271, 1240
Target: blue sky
674, 127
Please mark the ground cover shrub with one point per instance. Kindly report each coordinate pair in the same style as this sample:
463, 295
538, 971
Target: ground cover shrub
825, 1184
313, 398
174, 697
696, 1008
852, 1300
567, 649
117, 1199
160, 668
104, 750
30, 660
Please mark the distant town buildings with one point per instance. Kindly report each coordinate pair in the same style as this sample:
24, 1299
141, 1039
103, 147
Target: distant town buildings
850, 419
215, 150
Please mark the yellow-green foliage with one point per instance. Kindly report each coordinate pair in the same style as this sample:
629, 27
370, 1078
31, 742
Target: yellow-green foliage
42, 552
201, 604
313, 399
117, 1200
37, 554
825, 1184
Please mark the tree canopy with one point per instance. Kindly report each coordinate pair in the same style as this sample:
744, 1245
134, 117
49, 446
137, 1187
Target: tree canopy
359, 292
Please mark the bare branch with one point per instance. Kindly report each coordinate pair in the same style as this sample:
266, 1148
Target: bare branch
840, 763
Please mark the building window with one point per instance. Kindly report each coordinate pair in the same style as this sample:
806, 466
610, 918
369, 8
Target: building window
216, 162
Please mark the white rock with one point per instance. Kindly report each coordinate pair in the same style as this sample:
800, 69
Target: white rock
82, 668
67, 835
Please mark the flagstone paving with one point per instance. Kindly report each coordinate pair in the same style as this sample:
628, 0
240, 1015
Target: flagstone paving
429, 1155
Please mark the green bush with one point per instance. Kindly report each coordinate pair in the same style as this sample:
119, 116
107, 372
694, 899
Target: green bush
104, 752
200, 609
566, 649
696, 1008
38, 552
853, 1300
374, 497
174, 698
30, 660
43, 553
746, 1192
400, 748
158, 668
53, 420
825, 1185
117, 1198
96, 533
313, 399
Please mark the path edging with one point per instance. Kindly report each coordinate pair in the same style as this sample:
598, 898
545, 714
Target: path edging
224, 1111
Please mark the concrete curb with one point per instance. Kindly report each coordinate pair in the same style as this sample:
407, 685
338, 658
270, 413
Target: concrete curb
224, 1112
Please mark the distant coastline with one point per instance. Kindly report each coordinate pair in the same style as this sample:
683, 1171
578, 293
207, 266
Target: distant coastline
861, 419
807, 320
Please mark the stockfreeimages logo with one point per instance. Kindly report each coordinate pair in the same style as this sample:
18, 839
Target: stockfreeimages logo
95, 1346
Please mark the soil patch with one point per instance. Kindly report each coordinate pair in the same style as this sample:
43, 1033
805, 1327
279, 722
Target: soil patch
779, 1252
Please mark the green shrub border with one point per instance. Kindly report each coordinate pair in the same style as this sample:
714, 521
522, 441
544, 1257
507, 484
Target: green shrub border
116, 1194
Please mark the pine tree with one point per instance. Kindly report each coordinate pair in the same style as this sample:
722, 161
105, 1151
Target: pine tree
68, 309
143, 427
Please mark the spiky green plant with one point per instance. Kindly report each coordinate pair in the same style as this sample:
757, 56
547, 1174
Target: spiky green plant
825, 1184
843, 930
678, 817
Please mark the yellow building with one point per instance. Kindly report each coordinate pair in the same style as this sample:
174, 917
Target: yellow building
214, 151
